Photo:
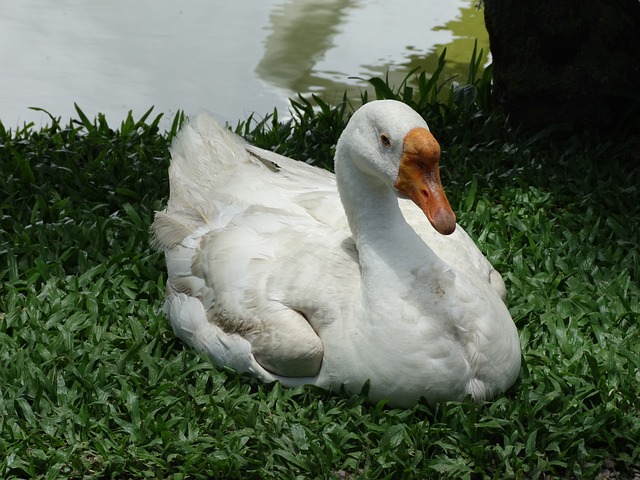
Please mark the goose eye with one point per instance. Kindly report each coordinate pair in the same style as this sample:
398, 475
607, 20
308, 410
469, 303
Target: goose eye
384, 138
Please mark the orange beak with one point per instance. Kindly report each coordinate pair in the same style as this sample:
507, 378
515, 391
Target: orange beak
419, 179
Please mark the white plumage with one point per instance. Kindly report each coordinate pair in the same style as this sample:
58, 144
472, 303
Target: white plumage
290, 273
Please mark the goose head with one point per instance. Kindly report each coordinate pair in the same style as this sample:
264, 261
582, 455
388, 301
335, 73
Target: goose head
390, 143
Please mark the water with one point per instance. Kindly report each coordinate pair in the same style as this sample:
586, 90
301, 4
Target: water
231, 58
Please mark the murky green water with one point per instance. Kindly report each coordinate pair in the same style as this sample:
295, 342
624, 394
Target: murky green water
231, 58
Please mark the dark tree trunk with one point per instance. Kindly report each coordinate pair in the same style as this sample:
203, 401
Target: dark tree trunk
566, 61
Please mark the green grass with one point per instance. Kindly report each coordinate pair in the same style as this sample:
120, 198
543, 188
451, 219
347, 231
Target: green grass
93, 383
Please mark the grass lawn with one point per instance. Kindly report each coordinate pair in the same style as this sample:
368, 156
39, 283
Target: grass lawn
93, 383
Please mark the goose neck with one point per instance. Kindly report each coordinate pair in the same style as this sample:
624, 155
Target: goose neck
386, 242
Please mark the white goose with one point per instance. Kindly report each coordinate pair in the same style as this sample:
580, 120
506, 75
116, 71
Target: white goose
267, 275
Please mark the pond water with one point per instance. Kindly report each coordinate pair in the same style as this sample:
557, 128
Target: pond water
231, 58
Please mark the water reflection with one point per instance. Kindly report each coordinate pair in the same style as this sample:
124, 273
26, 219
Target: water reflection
302, 31
332, 47
231, 58
467, 28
